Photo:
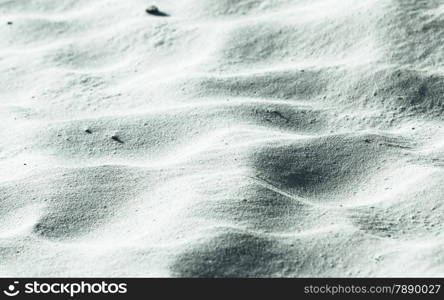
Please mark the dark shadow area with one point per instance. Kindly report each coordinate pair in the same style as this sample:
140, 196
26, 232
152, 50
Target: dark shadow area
231, 255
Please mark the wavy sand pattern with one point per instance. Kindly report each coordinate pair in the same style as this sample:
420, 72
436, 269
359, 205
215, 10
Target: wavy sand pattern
230, 138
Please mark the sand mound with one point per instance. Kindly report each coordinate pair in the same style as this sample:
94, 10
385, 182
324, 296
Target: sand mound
222, 139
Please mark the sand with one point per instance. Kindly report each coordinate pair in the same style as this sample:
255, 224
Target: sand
222, 138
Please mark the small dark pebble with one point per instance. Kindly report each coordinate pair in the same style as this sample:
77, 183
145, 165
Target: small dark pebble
117, 139
88, 131
9, 23
154, 10
280, 115
368, 141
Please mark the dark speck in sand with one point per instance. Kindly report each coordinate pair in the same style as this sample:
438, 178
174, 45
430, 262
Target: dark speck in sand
9, 23
280, 115
88, 131
117, 139
368, 141
154, 10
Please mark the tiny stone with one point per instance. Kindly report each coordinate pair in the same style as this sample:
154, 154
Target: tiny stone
116, 138
152, 9
88, 131
9, 23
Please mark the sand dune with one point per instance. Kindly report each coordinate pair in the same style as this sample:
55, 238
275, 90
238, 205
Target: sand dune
229, 138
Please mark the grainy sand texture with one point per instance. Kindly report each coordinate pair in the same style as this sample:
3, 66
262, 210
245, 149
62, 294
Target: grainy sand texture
222, 138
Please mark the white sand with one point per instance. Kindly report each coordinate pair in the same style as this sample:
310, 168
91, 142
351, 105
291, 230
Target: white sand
251, 138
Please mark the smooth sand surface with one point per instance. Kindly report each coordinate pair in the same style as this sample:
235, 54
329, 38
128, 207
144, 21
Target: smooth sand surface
228, 138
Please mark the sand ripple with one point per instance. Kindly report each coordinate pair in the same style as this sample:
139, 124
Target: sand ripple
232, 138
